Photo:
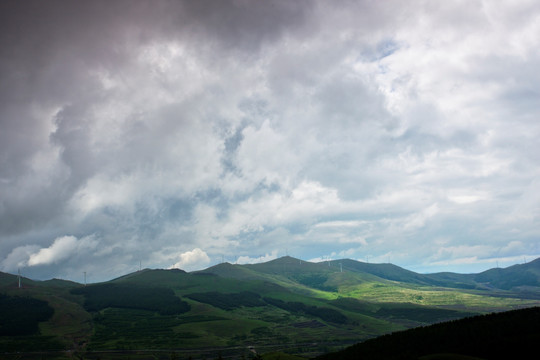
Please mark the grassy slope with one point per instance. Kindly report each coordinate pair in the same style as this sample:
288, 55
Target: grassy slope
378, 283
375, 298
70, 325
260, 324
290, 279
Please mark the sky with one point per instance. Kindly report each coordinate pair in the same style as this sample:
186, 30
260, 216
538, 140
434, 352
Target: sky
180, 134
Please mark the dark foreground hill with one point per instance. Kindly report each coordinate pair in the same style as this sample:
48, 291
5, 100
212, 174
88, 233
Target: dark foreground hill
508, 335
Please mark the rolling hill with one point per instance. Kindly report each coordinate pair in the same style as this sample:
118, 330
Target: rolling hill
285, 304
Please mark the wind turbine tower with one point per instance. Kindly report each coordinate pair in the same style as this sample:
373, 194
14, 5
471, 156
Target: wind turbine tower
19, 277
84, 278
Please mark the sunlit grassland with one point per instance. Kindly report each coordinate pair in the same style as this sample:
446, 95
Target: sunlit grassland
368, 325
388, 293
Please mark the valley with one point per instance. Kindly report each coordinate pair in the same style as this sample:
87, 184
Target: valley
286, 305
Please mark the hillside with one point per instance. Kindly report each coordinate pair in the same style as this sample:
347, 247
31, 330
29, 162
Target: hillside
69, 326
521, 275
507, 335
285, 304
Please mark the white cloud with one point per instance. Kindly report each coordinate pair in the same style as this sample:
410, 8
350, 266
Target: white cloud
61, 249
463, 199
462, 253
268, 209
512, 248
419, 220
259, 259
18, 257
189, 260
340, 223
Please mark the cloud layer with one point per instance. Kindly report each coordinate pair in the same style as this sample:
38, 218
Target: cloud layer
183, 133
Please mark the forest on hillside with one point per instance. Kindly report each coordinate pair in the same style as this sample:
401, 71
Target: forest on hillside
508, 335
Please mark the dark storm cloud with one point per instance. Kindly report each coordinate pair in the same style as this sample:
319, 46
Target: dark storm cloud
245, 25
49, 48
179, 131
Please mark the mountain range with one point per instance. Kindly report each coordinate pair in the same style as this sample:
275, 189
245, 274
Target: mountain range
285, 304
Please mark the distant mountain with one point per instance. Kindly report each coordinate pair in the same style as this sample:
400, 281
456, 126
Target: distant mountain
511, 277
12, 281
521, 275
387, 271
228, 270
515, 276
285, 268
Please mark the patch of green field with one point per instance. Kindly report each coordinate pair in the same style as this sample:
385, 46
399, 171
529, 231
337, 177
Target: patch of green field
380, 292
402, 313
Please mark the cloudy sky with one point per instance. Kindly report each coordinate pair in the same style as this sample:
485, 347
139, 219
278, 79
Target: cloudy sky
184, 133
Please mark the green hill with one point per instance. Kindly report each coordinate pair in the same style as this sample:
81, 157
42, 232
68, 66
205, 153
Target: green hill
69, 326
384, 271
512, 277
281, 305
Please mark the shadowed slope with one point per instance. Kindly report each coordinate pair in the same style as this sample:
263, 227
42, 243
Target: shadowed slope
508, 335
